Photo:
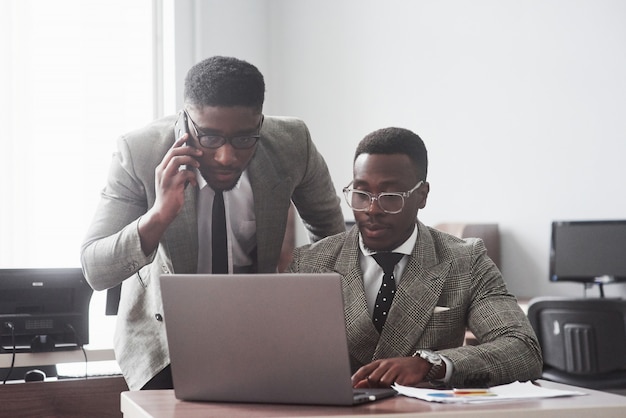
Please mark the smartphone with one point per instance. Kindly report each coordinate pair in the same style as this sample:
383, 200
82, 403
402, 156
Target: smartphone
181, 127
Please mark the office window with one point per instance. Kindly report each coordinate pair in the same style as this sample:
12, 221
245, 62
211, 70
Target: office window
75, 75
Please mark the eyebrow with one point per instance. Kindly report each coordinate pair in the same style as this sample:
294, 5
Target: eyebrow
384, 185
211, 132
215, 132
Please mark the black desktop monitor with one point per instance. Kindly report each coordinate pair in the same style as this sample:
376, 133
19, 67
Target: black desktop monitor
43, 309
588, 251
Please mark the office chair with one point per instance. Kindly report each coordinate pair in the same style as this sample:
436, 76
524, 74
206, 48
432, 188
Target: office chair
583, 340
489, 233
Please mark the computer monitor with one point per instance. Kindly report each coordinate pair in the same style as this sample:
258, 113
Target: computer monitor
590, 252
43, 309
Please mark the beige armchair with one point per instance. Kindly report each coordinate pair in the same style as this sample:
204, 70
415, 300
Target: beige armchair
489, 233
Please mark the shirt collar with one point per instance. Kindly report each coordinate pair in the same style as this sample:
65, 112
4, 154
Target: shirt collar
202, 182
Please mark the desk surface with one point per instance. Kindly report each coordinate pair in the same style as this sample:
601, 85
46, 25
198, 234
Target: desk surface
56, 357
162, 403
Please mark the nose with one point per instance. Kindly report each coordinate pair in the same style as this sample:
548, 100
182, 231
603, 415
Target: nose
374, 206
225, 155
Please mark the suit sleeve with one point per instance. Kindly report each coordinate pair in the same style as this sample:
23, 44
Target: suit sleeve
315, 196
111, 251
508, 349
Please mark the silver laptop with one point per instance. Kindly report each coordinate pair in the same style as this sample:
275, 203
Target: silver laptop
267, 338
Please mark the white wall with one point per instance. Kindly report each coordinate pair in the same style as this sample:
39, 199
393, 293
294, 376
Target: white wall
521, 104
204, 28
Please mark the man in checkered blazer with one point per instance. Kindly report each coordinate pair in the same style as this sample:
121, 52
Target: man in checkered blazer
444, 285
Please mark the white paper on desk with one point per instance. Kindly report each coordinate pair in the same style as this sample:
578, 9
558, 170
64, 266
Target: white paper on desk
511, 391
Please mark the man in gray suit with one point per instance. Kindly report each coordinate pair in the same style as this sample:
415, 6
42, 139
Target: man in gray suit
155, 214
408, 325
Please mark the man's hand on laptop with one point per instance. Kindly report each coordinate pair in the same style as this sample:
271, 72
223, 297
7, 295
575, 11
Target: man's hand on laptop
407, 371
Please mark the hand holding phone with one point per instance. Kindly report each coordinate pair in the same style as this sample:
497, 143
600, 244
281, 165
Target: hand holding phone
181, 127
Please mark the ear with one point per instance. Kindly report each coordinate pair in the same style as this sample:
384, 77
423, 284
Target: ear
423, 195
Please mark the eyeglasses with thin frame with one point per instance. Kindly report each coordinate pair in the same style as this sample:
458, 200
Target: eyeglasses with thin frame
389, 202
216, 141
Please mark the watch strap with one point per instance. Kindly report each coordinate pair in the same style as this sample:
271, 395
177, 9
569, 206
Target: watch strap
433, 372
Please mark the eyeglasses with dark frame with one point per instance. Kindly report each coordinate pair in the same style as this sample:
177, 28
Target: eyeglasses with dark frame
389, 202
216, 141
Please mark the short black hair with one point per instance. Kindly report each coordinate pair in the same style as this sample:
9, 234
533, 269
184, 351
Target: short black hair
396, 141
224, 81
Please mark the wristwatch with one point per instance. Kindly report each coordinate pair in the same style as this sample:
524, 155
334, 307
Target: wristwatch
434, 359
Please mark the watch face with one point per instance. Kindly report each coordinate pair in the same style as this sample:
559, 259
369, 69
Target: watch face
430, 357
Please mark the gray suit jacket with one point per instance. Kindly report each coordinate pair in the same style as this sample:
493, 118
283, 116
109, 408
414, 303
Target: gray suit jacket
449, 285
286, 166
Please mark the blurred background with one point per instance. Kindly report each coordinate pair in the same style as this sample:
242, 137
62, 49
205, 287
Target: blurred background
521, 105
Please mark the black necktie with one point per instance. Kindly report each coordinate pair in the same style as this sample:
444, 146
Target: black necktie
387, 288
219, 258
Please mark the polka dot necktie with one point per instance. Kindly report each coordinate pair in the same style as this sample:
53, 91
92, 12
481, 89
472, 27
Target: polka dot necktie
219, 256
387, 288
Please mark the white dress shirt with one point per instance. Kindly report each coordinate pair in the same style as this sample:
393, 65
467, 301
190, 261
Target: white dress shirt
240, 225
373, 273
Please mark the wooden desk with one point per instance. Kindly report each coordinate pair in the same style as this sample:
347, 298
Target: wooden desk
161, 404
93, 397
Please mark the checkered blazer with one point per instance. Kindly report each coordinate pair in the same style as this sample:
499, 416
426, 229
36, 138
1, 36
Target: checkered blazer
449, 285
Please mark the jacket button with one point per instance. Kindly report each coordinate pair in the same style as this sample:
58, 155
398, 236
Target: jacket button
159, 317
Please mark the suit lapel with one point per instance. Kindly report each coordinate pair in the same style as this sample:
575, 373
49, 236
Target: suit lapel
415, 300
362, 336
271, 191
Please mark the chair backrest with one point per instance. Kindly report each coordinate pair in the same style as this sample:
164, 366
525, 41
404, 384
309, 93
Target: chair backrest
580, 336
489, 233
